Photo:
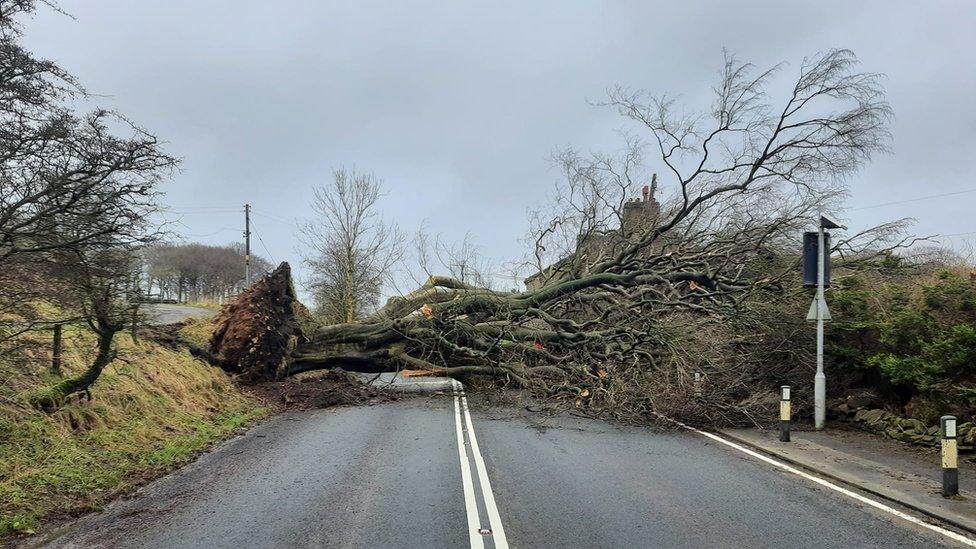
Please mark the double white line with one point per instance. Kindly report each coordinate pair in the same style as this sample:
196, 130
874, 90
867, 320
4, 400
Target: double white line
466, 438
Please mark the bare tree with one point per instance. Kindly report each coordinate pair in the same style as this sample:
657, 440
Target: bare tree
460, 260
589, 205
352, 252
68, 182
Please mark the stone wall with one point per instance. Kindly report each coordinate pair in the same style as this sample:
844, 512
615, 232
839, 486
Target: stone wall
911, 430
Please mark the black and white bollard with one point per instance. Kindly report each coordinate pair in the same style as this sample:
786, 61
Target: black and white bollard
698, 385
784, 414
950, 456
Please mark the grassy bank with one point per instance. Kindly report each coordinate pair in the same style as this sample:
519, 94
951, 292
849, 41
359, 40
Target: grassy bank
151, 410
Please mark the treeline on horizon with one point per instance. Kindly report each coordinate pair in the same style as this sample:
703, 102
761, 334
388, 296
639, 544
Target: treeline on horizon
196, 272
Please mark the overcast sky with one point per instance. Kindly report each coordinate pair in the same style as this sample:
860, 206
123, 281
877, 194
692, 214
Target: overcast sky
458, 105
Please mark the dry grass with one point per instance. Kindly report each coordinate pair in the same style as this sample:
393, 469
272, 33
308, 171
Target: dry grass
205, 304
151, 410
197, 331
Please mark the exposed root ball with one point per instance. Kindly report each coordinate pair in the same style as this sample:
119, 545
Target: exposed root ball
257, 332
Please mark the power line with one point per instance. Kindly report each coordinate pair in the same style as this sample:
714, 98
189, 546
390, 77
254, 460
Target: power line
275, 217
218, 231
167, 209
263, 245
219, 209
919, 199
171, 207
175, 213
910, 200
956, 234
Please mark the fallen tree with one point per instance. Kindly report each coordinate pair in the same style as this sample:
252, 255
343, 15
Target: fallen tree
633, 275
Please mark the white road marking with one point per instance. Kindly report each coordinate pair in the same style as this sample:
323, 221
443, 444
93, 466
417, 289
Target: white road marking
494, 519
470, 504
426, 382
867, 501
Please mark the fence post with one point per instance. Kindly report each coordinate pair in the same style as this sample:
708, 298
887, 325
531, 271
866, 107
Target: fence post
784, 413
950, 457
56, 351
135, 324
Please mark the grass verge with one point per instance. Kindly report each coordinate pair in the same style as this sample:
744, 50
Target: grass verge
150, 411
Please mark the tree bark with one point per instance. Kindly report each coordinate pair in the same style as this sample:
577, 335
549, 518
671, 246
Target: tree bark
445, 326
52, 398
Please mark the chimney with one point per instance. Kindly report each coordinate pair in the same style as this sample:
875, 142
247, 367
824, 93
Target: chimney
653, 185
647, 193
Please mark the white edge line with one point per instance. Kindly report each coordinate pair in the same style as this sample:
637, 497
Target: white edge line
494, 519
854, 495
470, 503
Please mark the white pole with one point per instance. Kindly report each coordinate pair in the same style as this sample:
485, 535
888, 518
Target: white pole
820, 380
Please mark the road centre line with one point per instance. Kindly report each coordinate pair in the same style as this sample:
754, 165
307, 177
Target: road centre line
475, 535
827, 484
494, 519
470, 503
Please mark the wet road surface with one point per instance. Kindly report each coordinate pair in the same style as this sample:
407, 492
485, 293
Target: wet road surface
391, 475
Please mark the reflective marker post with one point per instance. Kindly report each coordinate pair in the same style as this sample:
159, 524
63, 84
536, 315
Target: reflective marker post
784, 414
950, 457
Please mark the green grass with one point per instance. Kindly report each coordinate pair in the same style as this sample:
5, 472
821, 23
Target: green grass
150, 411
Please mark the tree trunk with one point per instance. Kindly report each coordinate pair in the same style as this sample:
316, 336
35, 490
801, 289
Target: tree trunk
52, 398
266, 334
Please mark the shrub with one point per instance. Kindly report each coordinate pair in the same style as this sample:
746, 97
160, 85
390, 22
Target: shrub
917, 331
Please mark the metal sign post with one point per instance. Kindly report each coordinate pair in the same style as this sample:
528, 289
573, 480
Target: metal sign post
820, 380
820, 313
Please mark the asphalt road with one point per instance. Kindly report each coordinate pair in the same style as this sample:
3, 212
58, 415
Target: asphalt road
391, 475
166, 313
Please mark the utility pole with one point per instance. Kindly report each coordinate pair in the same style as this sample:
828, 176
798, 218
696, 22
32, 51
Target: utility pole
247, 244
